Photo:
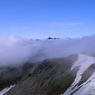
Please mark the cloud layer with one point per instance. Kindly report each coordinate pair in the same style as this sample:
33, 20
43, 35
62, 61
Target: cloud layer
17, 50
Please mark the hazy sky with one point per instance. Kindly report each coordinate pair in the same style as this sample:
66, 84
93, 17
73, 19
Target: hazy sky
43, 18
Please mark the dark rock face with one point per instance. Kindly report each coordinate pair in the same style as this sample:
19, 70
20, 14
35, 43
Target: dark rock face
9, 76
49, 77
12, 75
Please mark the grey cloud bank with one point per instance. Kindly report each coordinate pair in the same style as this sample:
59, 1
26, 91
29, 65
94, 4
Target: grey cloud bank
17, 50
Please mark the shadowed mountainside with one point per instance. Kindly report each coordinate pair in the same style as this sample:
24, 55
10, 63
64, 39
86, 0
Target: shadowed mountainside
12, 75
49, 77
55, 77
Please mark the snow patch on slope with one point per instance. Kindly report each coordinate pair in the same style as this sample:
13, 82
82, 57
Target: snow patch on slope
6, 89
84, 61
86, 89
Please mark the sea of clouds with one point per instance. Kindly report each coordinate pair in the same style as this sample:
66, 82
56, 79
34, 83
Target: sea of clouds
18, 50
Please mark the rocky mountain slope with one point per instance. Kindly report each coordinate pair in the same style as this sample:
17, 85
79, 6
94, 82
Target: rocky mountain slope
12, 75
72, 75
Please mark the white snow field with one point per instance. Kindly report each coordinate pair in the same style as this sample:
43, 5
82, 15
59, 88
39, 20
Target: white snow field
84, 61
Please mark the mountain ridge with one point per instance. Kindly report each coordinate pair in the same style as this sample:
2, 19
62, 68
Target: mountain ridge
57, 76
